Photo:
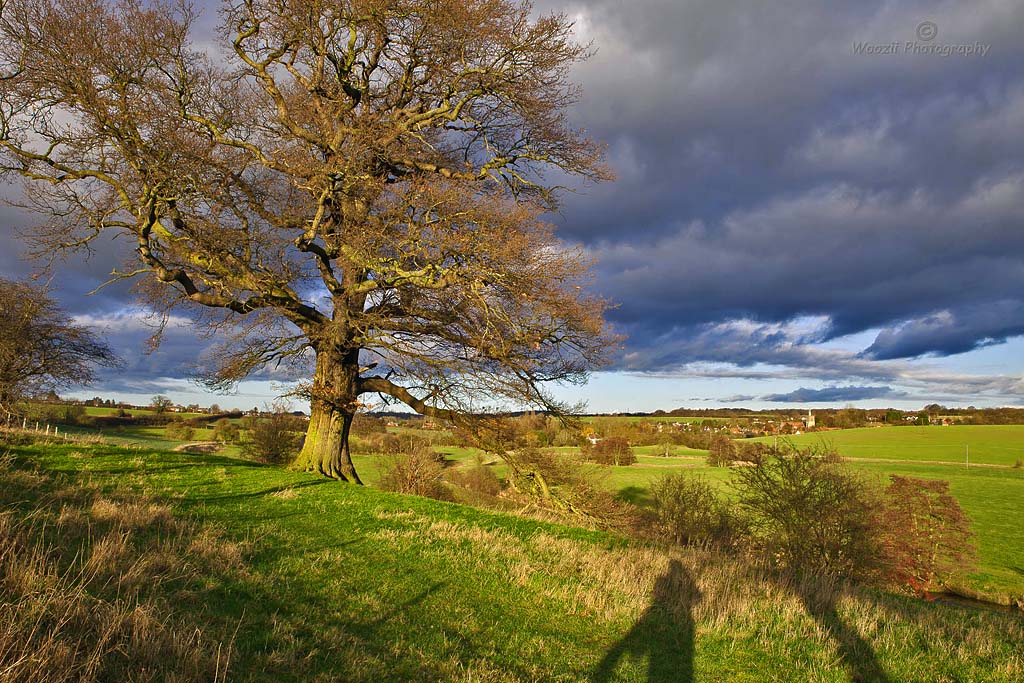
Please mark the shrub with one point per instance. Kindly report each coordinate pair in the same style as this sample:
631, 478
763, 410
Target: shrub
225, 431
274, 438
926, 535
179, 431
477, 479
612, 450
809, 514
721, 451
689, 511
417, 473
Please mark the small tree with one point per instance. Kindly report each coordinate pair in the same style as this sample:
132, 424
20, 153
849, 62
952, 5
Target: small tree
612, 450
926, 534
161, 403
41, 348
225, 431
722, 451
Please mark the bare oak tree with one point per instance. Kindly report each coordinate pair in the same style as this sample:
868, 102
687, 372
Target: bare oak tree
41, 348
360, 182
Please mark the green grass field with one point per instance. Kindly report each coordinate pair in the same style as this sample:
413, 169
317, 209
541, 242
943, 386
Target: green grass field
319, 581
986, 444
102, 411
992, 497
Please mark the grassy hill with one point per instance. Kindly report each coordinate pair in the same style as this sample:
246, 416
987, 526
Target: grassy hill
207, 564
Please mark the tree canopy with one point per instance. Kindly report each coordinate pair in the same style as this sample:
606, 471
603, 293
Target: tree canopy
41, 349
359, 185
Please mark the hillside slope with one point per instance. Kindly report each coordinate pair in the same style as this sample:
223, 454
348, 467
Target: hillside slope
335, 582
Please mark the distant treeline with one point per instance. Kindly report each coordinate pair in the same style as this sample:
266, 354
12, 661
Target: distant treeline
849, 417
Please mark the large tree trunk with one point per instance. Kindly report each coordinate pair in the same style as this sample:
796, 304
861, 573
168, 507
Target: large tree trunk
333, 405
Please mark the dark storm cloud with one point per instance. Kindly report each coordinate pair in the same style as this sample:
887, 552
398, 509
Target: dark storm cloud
129, 332
833, 395
746, 350
864, 259
949, 332
768, 174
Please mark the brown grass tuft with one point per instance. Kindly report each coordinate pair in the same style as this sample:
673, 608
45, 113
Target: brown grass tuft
77, 580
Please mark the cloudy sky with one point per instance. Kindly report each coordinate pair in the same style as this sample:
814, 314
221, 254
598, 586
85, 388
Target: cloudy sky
816, 204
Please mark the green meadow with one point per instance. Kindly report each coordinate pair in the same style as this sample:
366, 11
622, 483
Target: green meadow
983, 444
992, 495
205, 567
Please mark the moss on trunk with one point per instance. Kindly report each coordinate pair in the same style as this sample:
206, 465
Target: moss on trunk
333, 404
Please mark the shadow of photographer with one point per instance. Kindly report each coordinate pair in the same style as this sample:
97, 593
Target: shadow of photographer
664, 632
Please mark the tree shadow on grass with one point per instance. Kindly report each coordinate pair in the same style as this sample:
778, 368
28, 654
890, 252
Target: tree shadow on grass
820, 598
267, 492
664, 632
637, 495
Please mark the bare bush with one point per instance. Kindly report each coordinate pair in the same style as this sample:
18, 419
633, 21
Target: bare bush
273, 438
416, 473
689, 511
612, 450
808, 514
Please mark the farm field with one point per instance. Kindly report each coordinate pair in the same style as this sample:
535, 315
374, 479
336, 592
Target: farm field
322, 581
102, 411
987, 444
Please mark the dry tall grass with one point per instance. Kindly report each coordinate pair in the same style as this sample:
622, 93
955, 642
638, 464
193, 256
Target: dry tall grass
85, 585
